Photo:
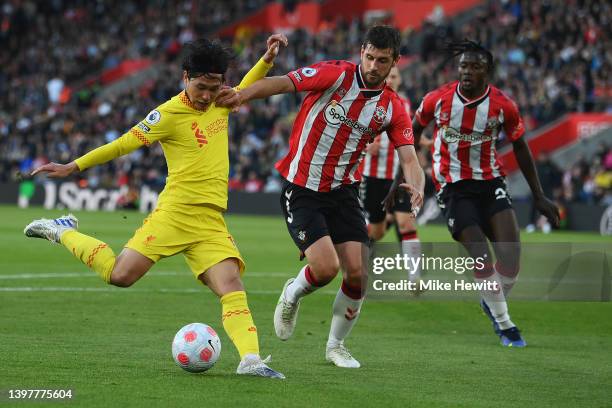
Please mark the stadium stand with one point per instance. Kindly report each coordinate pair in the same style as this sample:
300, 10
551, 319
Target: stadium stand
553, 57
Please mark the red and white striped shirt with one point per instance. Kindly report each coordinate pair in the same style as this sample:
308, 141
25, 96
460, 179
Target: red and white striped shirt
385, 163
465, 132
338, 117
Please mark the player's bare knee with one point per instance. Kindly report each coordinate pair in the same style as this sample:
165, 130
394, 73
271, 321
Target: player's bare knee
122, 279
325, 271
328, 272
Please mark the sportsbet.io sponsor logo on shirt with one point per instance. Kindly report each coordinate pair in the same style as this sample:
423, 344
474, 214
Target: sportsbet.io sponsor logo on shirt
335, 115
451, 135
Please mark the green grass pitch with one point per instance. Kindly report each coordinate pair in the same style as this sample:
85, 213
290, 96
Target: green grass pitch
62, 327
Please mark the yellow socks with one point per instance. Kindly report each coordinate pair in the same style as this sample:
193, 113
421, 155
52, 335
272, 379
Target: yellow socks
93, 253
238, 323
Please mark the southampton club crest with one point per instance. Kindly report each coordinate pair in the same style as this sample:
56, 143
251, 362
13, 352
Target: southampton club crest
493, 123
379, 115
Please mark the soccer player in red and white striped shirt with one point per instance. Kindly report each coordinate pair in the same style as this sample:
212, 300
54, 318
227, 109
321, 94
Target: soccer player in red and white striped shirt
469, 115
347, 105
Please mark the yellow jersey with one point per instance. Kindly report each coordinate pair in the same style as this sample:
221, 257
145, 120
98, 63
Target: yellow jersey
195, 144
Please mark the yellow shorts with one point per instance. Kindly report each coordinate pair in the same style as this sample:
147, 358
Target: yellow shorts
199, 232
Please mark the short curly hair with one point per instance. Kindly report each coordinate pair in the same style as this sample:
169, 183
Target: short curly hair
204, 57
383, 37
456, 48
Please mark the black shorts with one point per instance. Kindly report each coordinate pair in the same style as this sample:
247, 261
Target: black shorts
473, 202
311, 215
374, 191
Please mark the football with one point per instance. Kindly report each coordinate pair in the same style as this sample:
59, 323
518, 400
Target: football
196, 347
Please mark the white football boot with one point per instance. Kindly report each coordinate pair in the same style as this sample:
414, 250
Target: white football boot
252, 364
285, 314
340, 356
51, 229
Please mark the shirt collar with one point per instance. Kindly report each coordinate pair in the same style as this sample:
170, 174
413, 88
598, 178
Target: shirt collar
185, 100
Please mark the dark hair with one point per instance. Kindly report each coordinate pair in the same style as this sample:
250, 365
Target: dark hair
382, 37
457, 48
203, 57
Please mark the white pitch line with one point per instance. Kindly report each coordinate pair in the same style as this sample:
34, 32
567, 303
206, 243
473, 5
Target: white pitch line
153, 273
131, 290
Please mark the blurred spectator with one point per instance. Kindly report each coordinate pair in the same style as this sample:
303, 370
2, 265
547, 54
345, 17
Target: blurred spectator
253, 183
551, 57
589, 181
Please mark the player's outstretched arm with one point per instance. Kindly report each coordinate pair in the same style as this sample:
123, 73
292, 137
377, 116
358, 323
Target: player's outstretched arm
119, 147
262, 89
413, 176
527, 166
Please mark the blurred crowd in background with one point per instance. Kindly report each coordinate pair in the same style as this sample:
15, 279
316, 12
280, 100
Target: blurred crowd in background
588, 180
552, 57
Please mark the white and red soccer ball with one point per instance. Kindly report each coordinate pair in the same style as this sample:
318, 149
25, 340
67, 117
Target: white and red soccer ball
196, 347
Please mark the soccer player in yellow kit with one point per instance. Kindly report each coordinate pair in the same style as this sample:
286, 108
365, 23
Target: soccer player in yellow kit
188, 218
